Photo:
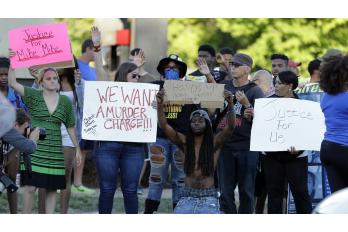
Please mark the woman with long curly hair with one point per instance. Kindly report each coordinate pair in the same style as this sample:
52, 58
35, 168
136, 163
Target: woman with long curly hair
334, 104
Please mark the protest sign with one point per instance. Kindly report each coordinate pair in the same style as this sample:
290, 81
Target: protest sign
279, 124
119, 111
190, 92
41, 46
318, 185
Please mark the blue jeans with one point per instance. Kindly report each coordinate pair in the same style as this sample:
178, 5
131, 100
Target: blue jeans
112, 157
237, 167
198, 201
162, 154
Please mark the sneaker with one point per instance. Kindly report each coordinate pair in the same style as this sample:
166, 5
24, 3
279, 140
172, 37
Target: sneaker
81, 189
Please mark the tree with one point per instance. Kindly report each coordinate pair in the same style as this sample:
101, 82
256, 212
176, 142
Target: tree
300, 39
79, 30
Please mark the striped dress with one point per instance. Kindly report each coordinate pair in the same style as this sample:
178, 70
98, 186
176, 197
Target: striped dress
48, 169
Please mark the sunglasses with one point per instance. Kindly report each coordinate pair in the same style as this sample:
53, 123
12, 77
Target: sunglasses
137, 76
235, 64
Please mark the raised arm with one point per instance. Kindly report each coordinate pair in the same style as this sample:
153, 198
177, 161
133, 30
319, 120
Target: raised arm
80, 89
98, 59
221, 60
175, 137
12, 81
204, 69
226, 133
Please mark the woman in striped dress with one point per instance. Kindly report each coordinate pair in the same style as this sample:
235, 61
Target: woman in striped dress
48, 110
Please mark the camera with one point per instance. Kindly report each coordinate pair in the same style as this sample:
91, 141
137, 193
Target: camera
42, 132
7, 183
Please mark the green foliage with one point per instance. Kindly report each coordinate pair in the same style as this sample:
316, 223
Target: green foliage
300, 39
79, 30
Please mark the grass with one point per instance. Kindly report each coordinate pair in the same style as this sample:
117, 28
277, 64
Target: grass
82, 203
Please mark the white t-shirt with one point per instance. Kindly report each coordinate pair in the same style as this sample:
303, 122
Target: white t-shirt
66, 141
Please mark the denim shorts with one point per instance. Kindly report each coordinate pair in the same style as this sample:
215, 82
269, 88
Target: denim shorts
198, 201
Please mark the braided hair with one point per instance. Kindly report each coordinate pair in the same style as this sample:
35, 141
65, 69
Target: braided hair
206, 152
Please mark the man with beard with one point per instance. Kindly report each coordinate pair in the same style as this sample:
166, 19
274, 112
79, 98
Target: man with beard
279, 64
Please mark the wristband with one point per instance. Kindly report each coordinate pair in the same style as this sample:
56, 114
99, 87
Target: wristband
96, 48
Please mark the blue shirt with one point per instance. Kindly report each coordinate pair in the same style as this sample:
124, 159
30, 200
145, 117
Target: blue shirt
87, 72
335, 109
15, 99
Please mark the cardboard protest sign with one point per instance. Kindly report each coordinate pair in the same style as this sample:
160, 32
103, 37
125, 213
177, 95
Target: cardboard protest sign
41, 46
279, 124
190, 92
119, 111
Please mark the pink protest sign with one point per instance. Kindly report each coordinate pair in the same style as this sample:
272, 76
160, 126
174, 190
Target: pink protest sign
40, 45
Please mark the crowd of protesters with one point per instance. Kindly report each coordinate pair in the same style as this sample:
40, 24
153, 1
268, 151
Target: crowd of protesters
207, 151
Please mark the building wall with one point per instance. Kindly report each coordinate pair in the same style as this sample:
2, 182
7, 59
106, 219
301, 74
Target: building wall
150, 35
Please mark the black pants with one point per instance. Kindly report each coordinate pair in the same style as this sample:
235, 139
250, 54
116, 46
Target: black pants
334, 157
237, 168
280, 168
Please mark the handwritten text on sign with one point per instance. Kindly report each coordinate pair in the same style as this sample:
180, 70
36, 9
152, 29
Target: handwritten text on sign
280, 123
41, 44
119, 111
191, 92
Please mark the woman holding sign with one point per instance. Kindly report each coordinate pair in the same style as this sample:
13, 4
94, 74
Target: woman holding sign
49, 110
117, 157
334, 104
286, 166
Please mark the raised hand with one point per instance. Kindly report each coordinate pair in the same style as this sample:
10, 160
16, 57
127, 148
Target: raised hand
154, 104
19, 88
139, 58
202, 66
160, 96
221, 60
34, 72
11, 53
96, 36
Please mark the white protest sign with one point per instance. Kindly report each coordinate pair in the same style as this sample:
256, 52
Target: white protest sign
280, 123
119, 111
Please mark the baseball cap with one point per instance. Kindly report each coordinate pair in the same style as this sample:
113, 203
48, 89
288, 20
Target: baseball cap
242, 59
330, 52
292, 63
201, 113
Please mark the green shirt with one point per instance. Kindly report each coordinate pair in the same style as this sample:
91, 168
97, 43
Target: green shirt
48, 158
